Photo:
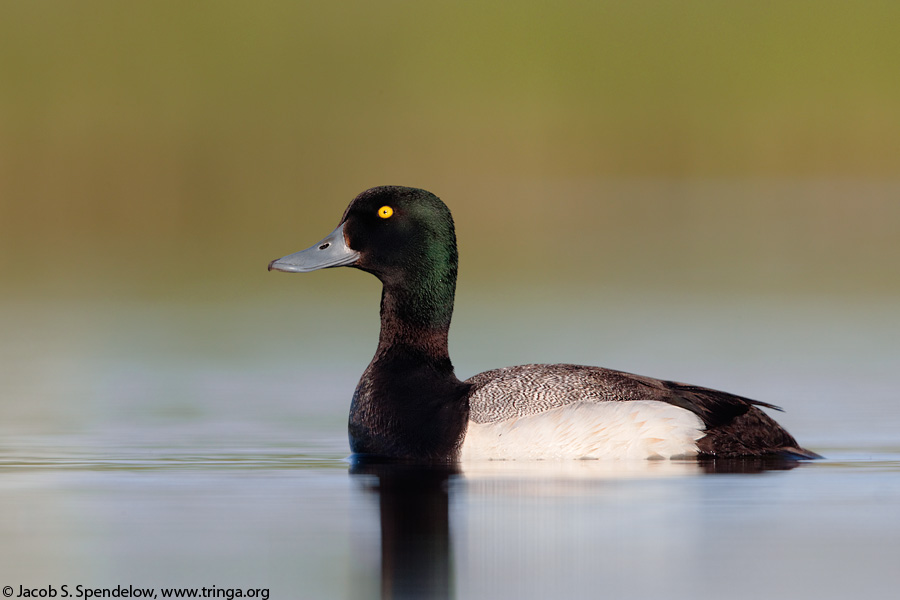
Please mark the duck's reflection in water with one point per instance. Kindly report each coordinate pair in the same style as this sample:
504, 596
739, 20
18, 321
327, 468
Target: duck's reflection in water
416, 549
415, 530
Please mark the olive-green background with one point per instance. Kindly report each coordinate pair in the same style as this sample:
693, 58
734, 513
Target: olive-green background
174, 148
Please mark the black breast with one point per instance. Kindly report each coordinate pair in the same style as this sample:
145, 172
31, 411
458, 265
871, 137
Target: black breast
409, 405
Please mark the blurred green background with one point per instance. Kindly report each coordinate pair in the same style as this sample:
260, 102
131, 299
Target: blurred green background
173, 148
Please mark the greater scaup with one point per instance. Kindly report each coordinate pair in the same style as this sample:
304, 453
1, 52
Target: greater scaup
409, 403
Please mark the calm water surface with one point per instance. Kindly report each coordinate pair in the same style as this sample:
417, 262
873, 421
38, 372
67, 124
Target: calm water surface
171, 447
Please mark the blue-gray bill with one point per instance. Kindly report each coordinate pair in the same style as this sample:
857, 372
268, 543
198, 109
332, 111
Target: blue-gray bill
331, 251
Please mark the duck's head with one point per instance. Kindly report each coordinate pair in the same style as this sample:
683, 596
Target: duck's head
399, 234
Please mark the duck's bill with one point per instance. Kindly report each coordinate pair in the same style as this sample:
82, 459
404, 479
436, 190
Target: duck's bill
332, 251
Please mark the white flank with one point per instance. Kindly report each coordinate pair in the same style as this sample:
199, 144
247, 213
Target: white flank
638, 429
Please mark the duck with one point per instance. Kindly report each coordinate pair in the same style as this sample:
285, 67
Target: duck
409, 404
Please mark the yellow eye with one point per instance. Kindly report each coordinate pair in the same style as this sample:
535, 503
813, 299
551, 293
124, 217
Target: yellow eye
385, 212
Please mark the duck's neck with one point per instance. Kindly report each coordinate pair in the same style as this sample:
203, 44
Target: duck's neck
409, 403
416, 317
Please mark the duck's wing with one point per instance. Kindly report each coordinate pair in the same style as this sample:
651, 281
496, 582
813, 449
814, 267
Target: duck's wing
511, 392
